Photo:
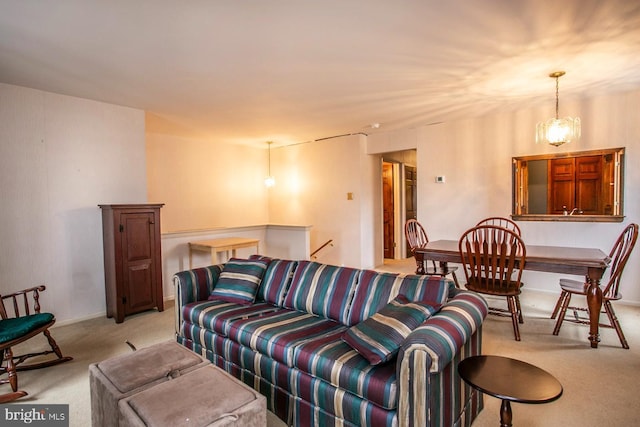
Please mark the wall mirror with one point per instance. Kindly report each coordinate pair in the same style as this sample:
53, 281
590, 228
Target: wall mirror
578, 186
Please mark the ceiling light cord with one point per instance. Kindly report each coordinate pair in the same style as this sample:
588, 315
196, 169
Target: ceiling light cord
557, 96
270, 155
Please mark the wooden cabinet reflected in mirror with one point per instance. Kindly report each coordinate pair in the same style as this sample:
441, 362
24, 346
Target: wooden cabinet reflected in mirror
579, 186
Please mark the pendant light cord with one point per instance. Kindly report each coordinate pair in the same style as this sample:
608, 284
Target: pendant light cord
557, 86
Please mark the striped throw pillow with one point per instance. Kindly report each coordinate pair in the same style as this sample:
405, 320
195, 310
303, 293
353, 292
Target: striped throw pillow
239, 281
379, 337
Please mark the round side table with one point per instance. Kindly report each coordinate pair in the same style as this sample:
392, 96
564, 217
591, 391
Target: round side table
510, 380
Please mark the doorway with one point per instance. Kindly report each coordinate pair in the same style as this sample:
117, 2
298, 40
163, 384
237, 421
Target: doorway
388, 209
399, 200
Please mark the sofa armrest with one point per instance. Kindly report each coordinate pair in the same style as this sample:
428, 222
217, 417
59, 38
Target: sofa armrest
192, 286
424, 360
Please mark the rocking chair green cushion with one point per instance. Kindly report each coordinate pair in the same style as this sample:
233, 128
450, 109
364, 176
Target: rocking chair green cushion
10, 329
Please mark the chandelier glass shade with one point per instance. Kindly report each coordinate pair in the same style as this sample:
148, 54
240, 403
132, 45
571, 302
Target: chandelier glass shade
557, 131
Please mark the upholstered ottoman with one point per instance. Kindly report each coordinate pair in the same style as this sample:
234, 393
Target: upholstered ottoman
114, 379
207, 396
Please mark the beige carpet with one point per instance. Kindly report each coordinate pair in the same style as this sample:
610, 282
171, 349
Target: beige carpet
601, 386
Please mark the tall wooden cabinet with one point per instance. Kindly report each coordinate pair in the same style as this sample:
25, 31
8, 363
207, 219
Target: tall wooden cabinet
132, 258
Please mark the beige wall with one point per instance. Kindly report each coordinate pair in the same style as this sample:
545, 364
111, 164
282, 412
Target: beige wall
205, 184
59, 158
475, 156
313, 181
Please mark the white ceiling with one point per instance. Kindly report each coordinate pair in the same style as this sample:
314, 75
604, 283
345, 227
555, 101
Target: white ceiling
290, 71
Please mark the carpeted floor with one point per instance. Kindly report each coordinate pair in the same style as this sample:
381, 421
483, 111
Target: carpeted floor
601, 386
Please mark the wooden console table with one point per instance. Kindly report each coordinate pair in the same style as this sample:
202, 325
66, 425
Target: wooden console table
215, 246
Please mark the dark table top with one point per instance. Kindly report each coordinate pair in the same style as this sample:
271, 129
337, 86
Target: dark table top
510, 379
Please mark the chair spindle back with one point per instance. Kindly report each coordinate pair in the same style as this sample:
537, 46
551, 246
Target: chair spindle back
415, 234
21, 299
492, 256
619, 256
501, 222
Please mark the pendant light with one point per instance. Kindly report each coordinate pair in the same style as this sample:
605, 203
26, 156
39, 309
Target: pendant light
556, 131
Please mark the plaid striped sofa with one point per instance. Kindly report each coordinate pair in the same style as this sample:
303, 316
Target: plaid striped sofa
288, 344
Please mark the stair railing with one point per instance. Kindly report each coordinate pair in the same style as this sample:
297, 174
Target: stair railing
314, 254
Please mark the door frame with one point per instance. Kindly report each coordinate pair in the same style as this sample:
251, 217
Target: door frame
399, 208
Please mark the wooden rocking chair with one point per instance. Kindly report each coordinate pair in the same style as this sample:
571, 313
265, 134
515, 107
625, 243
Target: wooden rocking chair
18, 328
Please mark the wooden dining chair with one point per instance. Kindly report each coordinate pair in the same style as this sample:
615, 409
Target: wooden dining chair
417, 237
493, 259
501, 222
619, 256
21, 320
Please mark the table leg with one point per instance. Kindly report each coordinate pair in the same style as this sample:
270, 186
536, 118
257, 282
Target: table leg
190, 258
505, 414
594, 302
214, 256
419, 262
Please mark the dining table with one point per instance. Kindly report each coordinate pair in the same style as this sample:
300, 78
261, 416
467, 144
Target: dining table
588, 262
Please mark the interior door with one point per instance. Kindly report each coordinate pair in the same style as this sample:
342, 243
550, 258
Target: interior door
138, 242
410, 197
388, 209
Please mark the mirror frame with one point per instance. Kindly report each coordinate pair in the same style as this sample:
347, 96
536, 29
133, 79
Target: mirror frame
519, 194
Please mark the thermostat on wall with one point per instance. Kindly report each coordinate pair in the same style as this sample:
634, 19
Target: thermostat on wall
440, 179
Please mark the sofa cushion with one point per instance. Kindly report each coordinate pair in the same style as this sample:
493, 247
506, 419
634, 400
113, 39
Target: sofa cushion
332, 360
321, 391
276, 281
309, 343
216, 315
325, 290
277, 333
376, 289
239, 281
379, 337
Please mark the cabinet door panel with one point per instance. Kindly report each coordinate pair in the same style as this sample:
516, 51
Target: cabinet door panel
589, 185
138, 242
139, 292
561, 180
138, 237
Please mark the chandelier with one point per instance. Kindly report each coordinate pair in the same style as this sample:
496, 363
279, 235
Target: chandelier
556, 131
